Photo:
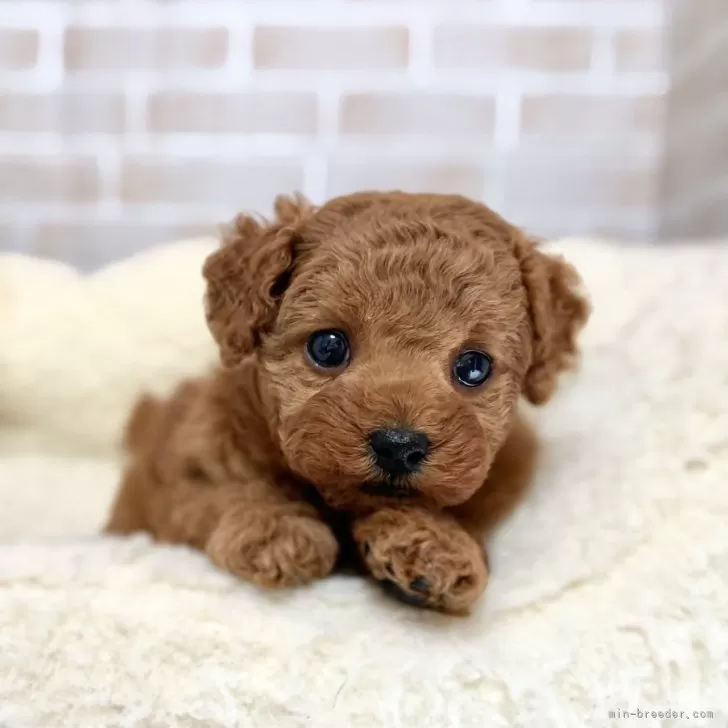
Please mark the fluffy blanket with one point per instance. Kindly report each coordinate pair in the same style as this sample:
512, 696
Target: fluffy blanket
609, 593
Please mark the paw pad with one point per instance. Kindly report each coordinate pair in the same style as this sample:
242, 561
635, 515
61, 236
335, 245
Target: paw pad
395, 590
421, 585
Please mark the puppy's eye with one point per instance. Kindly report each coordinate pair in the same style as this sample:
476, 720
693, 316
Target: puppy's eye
472, 368
328, 349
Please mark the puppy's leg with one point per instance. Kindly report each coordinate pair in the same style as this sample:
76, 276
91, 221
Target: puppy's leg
423, 558
273, 544
178, 488
127, 511
255, 530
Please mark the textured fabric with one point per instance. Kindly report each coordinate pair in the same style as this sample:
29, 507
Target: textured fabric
610, 582
76, 351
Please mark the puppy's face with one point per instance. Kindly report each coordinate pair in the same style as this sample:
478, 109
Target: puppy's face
395, 364
401, 339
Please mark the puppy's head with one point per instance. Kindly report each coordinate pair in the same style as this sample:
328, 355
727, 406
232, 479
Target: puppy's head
393, 335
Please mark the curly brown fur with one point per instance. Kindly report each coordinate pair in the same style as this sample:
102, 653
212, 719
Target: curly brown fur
266, 466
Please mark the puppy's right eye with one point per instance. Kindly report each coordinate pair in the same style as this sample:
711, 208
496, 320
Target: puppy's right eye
328, 349
472, 368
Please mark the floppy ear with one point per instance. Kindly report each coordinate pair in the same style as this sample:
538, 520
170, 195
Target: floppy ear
248, 275
558, 311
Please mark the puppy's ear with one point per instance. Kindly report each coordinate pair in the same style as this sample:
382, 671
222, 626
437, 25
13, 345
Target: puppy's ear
248, 275
558, 311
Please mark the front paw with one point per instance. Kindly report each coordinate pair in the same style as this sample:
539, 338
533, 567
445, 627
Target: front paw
423, 559
275, 546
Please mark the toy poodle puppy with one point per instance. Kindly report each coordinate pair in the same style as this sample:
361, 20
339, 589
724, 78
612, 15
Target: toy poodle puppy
373, 353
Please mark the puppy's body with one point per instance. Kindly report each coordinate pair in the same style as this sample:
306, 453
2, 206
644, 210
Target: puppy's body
274, 465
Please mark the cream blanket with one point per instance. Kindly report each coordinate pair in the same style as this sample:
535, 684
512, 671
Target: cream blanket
610, 584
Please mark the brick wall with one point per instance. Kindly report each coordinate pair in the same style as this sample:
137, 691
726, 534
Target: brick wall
127, 122
696, 163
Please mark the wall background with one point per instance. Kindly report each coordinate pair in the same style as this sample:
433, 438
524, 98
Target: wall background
695, 199
127, 122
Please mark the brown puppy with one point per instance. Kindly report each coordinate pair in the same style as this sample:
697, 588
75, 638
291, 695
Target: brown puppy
373, 353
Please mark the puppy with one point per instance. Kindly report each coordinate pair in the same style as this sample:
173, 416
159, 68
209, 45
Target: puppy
373, 353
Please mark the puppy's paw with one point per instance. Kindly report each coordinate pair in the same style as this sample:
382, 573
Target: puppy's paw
274, 546
423, 559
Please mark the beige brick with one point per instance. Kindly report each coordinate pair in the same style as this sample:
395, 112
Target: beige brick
707, 219
66, 113
695, 166
89, 244
535, 49
586, 116
711, 219
18, 48
703, 86
639, 49
705, 50
13, 238
88, 49
52, 179
434, 114
298, 48
556, 183
691, 21
624, 226
410, 175
286, 113
233, 185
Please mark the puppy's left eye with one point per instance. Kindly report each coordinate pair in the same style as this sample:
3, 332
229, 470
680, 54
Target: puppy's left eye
328, 349
472, 368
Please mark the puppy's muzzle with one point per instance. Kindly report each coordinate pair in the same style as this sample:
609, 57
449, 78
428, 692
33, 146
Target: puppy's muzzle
397, 451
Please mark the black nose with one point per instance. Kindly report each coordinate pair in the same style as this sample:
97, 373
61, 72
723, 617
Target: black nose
398, 451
